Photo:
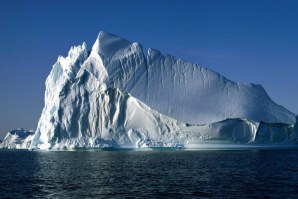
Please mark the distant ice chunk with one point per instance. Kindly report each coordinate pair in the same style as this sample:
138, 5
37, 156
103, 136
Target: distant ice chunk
296, 126
17, 139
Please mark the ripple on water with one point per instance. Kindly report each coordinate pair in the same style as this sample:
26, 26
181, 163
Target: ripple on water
149, 174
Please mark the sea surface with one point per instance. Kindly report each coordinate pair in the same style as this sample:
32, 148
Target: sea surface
251, 173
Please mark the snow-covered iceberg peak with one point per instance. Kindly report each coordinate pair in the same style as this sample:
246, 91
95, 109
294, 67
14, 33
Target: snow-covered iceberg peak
107, 45
123, 61
68, 66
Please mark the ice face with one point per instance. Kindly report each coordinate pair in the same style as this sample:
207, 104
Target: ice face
118, 96
182, 90
274, 133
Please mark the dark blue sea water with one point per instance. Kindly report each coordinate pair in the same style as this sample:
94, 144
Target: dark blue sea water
149, 174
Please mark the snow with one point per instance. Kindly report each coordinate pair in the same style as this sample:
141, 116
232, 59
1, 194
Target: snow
116, 96
17, 139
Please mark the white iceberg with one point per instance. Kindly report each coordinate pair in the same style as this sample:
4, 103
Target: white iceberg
116, 96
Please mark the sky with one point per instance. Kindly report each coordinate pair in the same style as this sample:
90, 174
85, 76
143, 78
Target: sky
253, 41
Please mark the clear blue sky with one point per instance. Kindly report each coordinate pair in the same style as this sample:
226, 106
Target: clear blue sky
245, 40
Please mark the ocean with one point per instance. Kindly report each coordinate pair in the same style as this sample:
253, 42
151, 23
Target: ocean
251, 173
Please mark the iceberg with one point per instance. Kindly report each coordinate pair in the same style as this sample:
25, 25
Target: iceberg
116, 96
17, 139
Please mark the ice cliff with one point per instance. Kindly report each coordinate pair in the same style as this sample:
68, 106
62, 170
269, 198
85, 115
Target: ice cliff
115, 95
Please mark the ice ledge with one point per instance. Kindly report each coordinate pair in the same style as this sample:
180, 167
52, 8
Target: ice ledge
224, 134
